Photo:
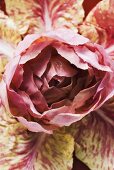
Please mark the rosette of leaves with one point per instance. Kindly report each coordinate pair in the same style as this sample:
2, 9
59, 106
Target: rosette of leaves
91, 139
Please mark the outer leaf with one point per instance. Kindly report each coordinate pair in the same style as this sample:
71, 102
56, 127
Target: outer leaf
56, 152
99, 24
8, 29
103, 16
95, 142
9, 37
94, 33
6, 53
20, 149
37, 16
3, 62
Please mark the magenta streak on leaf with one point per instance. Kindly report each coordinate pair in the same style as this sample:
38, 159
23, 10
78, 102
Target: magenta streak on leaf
24, 150
51, 11
33, 16
30, 152
95, 141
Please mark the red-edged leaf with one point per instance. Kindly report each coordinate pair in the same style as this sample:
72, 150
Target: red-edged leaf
99, 23
103, 16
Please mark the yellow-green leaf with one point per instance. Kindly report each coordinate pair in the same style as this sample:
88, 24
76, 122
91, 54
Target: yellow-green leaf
22, 149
